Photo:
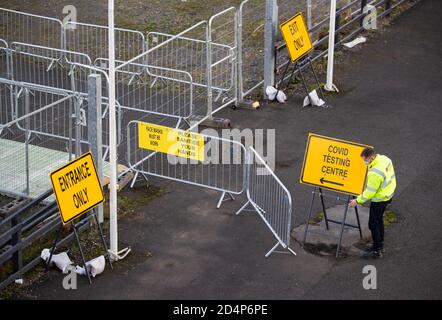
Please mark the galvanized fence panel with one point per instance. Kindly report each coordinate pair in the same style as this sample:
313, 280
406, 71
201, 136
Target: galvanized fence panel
6, 111
44, 66
222, 61
186, 51
4, 60
151, 89
93, 40
223, 168
251, 27
270, 198
35, 143
30, 28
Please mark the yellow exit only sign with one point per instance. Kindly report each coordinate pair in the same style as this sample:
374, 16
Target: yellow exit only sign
77, 187
334, 164
296, 37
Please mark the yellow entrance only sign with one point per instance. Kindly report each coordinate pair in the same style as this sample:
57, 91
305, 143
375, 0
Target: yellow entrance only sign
77, 187
180, 143
334, 164
296, 37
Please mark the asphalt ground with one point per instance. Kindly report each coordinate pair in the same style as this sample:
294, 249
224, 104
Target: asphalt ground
184, 248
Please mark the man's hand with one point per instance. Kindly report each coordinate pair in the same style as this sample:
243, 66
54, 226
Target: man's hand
352, 203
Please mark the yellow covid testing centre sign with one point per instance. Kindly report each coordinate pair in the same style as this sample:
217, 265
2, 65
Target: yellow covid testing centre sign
334, 164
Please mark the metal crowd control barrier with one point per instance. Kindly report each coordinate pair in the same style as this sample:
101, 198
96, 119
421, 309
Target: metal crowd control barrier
270, 199
93, 40
31, 28
222, 47
251, 23
44, 66
223, 168
41, 138
155, 90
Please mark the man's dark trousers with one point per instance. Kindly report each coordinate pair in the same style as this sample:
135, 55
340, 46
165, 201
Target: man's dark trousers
376, 223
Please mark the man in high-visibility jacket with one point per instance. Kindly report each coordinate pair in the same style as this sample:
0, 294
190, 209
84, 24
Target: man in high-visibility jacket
381, 184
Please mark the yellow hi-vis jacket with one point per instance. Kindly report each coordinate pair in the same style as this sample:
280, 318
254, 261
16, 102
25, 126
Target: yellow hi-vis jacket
381, 181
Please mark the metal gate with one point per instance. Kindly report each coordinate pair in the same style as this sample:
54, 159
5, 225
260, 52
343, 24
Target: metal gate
269, 198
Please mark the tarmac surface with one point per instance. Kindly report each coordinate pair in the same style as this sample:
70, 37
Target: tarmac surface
390, 98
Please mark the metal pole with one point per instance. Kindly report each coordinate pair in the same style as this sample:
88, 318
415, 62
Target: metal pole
117, 255
27, 110
112, 137
329, 86
269, 43
309, 14
95, 129
209, 71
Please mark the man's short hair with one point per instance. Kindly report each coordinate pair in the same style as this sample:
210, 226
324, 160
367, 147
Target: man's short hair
368, 152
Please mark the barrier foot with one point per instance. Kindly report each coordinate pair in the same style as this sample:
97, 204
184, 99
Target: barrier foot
242, 208
120, 255
221, 199
273, 250
134, 180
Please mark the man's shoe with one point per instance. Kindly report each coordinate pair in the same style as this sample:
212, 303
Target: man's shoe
372, 254
370, 248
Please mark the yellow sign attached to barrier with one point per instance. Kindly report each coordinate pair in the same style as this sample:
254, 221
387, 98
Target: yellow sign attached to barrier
180, 143
77, 187
296, 37
334, 164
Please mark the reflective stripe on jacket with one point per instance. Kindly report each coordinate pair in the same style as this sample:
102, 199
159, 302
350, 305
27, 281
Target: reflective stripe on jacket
381, 181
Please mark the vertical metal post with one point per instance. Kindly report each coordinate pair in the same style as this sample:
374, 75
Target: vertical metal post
307, 223
27, 124
309, 14
363, 4
77, 124
338, 249
209, 70
388, 8
323, 209
113, 221
329, 86
112, 136
17, 259
271, 21
94, 128
239, 56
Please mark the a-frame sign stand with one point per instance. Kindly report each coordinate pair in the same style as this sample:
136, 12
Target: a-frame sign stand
343, 222
77, 190
299, 45
83, 260
334, 165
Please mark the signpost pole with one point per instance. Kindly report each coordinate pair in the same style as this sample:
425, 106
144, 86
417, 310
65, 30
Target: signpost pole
309, 216
323, 209
342, 227
81, 253
357, 218
304, 83
54, 246
103, 241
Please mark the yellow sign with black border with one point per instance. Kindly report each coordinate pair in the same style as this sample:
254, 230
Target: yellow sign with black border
334, 164
77, 187
296, 37
180, 143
